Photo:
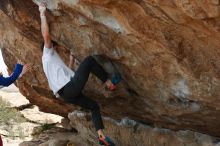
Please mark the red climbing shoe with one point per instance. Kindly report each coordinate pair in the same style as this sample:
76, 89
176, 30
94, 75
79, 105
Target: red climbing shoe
106, 141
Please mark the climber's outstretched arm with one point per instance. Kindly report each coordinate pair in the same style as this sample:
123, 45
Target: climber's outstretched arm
19, 71
44, 26
6, 81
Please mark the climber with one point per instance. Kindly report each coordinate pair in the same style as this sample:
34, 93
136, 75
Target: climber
19, 71
67, 84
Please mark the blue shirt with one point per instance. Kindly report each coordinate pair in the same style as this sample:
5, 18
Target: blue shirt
6, 81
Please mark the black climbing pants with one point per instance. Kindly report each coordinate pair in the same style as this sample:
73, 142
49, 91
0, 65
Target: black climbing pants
72, 91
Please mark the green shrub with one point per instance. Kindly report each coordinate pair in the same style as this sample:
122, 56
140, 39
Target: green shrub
8, 114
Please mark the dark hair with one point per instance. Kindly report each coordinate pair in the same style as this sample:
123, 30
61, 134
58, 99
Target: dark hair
52, 41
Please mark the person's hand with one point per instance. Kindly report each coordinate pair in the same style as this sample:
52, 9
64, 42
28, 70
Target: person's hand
25, 69
76, 62
1, 74
42, 7
72, 57
20, 62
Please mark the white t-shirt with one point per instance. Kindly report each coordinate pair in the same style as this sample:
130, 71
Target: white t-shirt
57, 73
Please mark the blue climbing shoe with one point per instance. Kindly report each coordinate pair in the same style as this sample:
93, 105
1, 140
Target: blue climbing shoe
116, 78
106, 141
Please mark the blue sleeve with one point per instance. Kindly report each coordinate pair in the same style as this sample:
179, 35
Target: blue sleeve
6, 81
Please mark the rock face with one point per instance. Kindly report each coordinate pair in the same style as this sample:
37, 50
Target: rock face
21, 121
166, 50
124, 133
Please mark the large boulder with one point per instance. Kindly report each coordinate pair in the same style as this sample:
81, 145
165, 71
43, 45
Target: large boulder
167, 52
124, 133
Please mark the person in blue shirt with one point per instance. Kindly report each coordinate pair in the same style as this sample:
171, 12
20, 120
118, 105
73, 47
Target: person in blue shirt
19, 71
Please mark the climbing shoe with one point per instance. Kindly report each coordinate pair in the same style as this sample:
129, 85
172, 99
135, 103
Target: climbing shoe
106, 141
115, 79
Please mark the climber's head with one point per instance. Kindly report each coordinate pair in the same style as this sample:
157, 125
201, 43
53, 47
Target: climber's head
54, 43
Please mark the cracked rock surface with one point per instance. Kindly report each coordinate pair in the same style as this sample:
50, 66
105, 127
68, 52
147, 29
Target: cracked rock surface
166, 50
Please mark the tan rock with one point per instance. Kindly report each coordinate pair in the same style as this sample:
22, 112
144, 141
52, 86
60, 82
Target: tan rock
55, 142
167, 52
131, 133
124, 133
33, 114
57, 137
11, 97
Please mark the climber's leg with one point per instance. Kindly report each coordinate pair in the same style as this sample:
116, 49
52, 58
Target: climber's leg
90, 65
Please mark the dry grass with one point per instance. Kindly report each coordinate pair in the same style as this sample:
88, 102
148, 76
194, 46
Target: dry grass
8, 114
